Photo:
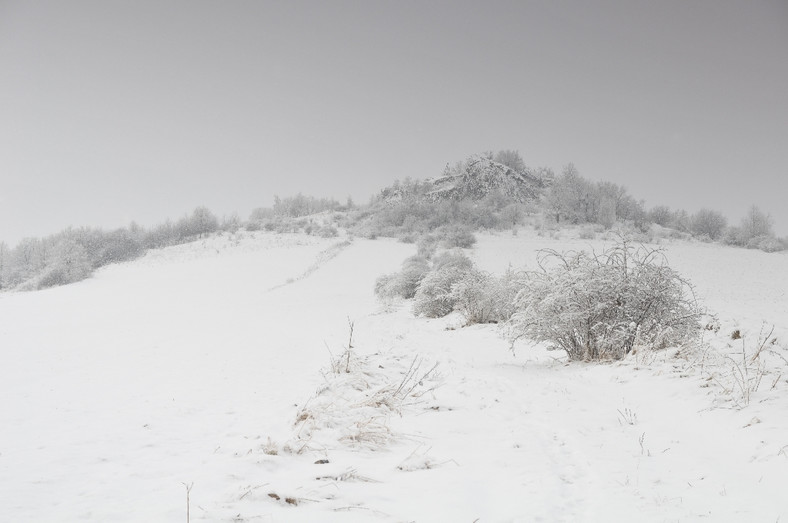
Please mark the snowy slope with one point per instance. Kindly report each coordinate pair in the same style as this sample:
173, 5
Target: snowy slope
208, 364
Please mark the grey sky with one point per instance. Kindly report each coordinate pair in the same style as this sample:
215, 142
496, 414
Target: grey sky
112, 111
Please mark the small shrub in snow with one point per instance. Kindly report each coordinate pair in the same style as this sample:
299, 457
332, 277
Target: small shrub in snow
734, 236
413, 271
408, 237
403, 284
483, 298
596, 306
631, 232
454, 284
587, 233
452, 259
427, 245
71, 264
765, 243
709, 224
55, 277
327, 231
456, 237
434, 297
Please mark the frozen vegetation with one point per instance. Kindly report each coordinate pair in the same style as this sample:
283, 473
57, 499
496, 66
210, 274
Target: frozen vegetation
486, 192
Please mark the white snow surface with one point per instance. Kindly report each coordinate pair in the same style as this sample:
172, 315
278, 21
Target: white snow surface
209, 364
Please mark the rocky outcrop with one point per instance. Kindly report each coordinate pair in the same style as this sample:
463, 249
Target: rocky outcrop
480, 176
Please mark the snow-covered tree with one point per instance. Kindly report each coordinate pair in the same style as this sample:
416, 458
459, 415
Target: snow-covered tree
70, 263
681, 220
25, 260
203, 222
565, 199
757, 223
661, 215
511, 159
708, 223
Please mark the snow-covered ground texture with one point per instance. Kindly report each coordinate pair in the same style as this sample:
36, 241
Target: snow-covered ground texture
223, 365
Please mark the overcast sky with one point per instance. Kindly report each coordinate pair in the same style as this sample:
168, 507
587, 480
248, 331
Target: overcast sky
112, 111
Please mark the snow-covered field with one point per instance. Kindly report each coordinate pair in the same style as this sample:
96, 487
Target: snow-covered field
210, 365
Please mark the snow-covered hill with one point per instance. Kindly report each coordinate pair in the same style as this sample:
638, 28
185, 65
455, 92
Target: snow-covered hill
210, 364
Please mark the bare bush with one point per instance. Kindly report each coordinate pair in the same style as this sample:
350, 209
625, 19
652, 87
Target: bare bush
596, 306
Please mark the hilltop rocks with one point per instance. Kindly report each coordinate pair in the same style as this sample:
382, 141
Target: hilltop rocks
480, 176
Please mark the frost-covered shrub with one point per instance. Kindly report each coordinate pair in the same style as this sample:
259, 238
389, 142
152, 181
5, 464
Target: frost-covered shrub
427, 245
403, 284
587, 233
757, 223
300, 205
230, 223
386, 286
452, 259
709, 224
327, 231
765, 243
200, 223
70, 264
456, 237
630, 231
512, 215
485, 298
53, 278
408, 237
413, 271
734, 236
596, 306
434, 297
660, 215
116, 246
454, 283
